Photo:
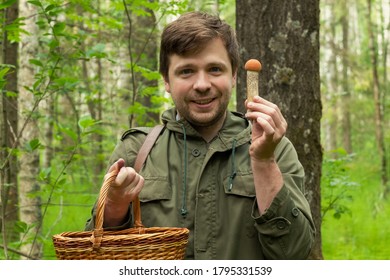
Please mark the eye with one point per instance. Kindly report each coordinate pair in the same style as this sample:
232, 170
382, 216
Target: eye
186, 72
215, 69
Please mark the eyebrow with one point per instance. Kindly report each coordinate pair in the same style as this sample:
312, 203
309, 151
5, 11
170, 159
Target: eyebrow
191, 65
186, 65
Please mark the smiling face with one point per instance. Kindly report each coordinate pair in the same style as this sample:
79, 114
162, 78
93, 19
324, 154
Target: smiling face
201, 85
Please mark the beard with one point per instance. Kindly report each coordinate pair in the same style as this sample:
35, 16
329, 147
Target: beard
204, 119
199, 118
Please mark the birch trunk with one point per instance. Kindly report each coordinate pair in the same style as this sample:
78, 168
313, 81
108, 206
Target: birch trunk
346, 96
29, 161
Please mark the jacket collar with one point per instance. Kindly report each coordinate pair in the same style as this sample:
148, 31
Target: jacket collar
236, 127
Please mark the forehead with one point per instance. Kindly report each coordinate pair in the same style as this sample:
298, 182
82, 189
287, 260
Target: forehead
214, 52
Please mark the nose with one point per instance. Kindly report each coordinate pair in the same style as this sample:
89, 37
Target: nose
202, 82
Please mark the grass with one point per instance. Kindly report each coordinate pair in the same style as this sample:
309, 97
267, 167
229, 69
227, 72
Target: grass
68, 212
364, 234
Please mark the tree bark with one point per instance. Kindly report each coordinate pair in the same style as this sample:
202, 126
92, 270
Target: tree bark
8, 161
284, 36
330, 75
30, 211
378, 104
346, 96
142, 44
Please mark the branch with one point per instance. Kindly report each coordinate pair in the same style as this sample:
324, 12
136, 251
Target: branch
5, 248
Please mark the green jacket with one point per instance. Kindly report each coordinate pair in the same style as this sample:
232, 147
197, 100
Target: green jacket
209, 189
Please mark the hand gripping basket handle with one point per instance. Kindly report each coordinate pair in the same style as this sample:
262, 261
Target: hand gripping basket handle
139, 161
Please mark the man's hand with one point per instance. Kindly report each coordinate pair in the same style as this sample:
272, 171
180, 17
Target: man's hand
127, 184
269, 127
126, 187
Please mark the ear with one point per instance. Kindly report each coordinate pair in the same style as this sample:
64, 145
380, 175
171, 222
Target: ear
234, 78
166, 85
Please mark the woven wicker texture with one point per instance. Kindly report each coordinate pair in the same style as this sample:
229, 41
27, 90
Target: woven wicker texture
138, 243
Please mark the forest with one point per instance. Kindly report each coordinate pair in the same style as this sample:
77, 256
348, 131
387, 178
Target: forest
76, 74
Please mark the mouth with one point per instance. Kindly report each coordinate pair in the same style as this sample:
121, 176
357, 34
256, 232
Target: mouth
203, 101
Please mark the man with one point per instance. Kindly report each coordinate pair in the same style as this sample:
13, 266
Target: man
235, 182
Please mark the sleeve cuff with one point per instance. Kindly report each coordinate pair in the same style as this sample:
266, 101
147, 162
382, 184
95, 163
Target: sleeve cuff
273, 210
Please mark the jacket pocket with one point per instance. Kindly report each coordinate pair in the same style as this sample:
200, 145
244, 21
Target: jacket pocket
157, 205
240, 195
242, 185
155, 188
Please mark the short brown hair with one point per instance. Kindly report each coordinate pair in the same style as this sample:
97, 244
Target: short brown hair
190, 32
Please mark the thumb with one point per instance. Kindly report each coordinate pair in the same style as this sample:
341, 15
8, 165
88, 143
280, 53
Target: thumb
116, 166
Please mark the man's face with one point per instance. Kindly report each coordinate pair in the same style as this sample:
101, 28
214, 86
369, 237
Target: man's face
201, 84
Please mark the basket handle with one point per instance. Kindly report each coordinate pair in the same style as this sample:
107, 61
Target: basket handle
139, 161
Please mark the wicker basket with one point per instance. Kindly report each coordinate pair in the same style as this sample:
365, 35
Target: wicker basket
138, 243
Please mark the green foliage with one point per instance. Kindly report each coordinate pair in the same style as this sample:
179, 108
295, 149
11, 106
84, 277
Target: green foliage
6, 4
336, 184
32, 145
351, 185
362, 235
4, 70
89, 53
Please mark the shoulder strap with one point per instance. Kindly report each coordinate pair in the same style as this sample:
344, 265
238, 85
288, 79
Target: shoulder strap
147, 146
139, 162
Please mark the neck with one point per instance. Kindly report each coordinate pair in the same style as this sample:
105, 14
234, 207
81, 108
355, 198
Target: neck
209, 132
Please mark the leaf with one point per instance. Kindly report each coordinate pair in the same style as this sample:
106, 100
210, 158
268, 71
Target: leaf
36, 62
86, 122
6, 4
58, 28
69, 132
50, 7
61, 182
44, 174
96, 51
4, 72
53, 44
147, 73
20, 227
35, 3
32, 145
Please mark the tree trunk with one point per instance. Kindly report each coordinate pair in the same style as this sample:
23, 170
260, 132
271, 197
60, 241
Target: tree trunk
30, 211
8, 163
346, 96
150, 51
142, 44
330, 75
284, 36
378, 104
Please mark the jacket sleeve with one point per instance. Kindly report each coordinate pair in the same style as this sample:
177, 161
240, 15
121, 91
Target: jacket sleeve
286, 230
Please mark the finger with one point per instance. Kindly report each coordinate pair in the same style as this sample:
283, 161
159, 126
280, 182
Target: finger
116, 166
125, 176
138, 187
268, 128
255, 115
267, 108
